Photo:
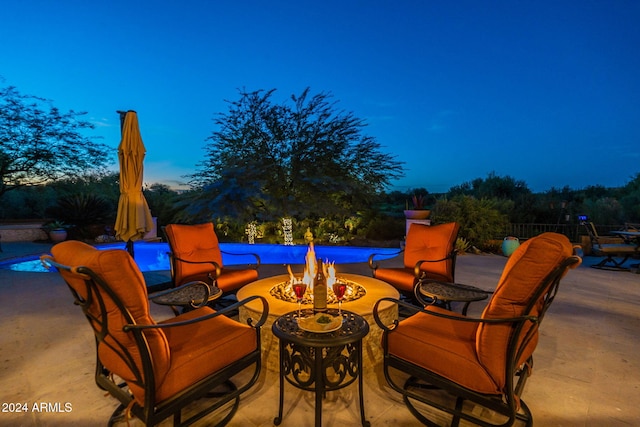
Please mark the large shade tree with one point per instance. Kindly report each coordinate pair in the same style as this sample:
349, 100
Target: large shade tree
303, 157
40, 144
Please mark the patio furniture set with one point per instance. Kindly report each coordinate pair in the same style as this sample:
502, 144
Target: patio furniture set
616, 254
158, 369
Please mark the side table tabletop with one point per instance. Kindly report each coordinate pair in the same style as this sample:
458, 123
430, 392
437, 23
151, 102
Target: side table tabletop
188, 295
448, 292
320, 362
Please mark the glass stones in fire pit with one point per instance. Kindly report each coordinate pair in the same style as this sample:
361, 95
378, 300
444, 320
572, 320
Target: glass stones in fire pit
284, 292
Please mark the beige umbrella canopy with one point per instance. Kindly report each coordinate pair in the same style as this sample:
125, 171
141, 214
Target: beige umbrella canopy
134, 217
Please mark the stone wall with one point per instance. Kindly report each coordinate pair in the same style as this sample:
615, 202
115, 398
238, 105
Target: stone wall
22, 232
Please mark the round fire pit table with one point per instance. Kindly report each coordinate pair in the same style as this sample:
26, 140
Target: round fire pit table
375, 289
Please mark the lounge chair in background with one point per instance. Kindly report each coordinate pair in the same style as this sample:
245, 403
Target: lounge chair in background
615, 254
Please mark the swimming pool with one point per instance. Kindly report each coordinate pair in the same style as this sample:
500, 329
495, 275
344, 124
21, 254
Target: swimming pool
153, 256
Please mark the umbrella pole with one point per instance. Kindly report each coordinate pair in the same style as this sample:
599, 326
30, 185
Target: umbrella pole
129, 248
122, 115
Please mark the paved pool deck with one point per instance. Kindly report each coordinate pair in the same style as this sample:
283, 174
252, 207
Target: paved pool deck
586, 370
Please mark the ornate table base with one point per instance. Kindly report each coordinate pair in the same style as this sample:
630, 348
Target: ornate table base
321, 362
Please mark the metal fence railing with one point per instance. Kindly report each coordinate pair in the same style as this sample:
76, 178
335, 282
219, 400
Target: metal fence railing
573, 231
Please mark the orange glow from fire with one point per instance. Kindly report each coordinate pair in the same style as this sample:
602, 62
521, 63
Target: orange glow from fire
330, 273
310, 269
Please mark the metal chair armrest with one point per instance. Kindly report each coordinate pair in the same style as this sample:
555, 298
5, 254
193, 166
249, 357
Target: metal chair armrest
416, 269
457, 317
256, 256
375, 266
376, 316
462, 318
226, 310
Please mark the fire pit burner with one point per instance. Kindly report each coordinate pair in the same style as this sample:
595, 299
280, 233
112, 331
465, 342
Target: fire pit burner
284, 292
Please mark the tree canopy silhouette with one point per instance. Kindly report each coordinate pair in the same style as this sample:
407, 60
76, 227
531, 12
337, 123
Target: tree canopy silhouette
40, 144
297, 158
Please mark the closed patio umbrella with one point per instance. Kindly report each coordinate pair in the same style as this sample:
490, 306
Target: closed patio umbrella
134, 217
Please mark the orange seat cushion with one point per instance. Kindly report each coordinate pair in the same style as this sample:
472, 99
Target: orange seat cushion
231, 279
424, 242
431, 242
445, 347
404, 279
199, 243
202, 348
195, 243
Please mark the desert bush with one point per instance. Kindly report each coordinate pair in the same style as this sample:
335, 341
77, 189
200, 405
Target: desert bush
479, 220
85, 212
462, 246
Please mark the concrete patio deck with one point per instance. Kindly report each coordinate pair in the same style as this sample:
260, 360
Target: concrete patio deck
586, 370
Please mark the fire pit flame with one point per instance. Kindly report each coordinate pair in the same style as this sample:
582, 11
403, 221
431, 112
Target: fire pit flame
284, 291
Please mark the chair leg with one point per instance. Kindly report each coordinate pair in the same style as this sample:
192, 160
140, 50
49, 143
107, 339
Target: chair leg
527, 417
231, 387
416, 413
413, 391
415, 383
610, 263
223, 422
118, 415
232, 390
456, 418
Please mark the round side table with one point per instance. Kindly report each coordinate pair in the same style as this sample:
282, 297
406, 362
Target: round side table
187, 296
447, 292
320, 362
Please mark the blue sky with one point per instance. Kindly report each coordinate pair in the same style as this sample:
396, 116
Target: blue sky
547, 92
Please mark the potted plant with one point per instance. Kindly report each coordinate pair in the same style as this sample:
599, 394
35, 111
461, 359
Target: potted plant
418, 211
509, 245
57, 230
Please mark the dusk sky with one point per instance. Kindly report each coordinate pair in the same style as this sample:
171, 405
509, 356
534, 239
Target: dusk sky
547, 92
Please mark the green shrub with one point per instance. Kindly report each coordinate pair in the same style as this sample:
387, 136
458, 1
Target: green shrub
83, 209
492, 246
479, 220
88, 213
462, 246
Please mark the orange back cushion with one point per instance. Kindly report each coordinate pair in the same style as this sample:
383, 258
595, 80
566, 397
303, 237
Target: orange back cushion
194, 243
522, 276
120, 272
431, 242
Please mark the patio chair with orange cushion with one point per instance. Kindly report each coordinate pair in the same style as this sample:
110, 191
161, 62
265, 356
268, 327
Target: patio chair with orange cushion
429, 253
195, 255
615, 250
157, 369
460, 365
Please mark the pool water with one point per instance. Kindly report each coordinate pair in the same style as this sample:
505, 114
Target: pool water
153, 256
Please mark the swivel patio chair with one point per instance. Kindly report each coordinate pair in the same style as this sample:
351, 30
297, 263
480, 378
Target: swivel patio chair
429, 253
458, 364
196, 255
615, 251
157, 369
